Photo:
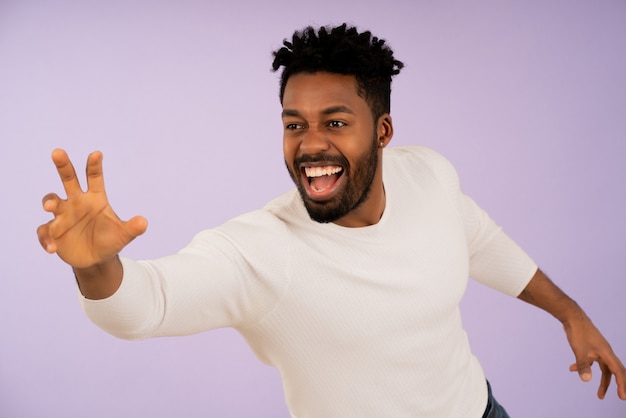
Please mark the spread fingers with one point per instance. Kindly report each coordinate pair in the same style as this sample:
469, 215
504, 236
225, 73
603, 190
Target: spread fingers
95, 179
46, 241
66, 172
50, 202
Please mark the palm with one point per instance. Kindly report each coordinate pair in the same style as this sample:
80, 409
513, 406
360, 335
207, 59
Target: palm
85, 230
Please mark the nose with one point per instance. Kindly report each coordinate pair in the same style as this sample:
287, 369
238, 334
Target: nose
313, 141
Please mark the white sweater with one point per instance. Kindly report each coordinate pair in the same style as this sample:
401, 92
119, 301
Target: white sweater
360, 322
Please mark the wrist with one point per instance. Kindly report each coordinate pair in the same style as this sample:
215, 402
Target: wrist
574, 316
100, 280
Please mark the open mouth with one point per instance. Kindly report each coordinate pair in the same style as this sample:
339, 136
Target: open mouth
322, 180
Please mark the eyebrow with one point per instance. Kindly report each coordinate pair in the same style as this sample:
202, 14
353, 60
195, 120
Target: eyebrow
328, 111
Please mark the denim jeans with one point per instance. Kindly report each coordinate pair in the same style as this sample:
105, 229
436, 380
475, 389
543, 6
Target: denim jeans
494, 409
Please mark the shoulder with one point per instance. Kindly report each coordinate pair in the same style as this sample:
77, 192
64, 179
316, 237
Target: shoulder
251, 240
270, 222
420, 161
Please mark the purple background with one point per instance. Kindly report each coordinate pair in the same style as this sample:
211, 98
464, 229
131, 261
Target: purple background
527, 99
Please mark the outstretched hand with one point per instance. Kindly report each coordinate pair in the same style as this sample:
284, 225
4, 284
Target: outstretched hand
590, 346
587, 342
85, 230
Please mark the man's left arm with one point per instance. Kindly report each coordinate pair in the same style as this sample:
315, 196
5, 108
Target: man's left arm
587, 342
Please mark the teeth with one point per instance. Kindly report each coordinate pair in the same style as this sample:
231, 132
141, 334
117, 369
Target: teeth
321, 171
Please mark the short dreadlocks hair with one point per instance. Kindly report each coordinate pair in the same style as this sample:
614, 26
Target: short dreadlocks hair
342, 50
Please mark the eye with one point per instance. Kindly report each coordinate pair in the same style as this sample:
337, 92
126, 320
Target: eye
292, 126
336, 124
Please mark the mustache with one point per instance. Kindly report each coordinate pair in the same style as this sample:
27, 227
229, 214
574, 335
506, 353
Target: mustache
321, 158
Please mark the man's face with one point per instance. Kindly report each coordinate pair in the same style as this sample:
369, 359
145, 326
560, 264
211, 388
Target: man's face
330, 145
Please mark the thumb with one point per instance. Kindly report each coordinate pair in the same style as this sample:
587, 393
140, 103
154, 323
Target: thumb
583, 367
136, 226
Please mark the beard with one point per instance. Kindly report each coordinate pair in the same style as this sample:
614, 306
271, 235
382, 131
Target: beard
357, 186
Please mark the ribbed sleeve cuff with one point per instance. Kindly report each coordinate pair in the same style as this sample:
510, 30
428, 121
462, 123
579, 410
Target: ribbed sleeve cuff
127, 312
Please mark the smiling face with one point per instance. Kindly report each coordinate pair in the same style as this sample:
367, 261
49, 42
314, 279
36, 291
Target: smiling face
333, 148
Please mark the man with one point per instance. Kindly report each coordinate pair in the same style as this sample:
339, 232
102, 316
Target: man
350, 285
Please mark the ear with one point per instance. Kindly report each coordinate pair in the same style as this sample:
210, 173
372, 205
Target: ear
384, 130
